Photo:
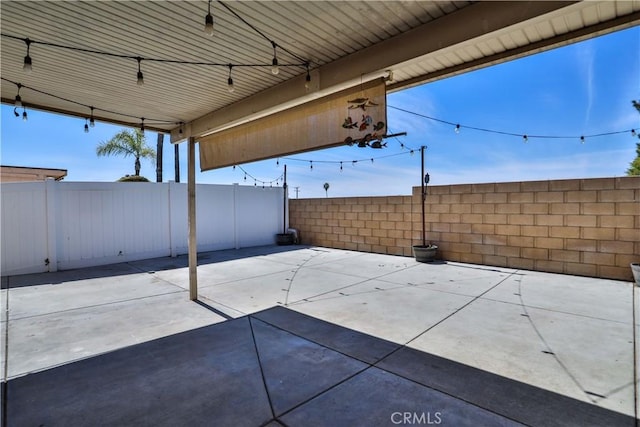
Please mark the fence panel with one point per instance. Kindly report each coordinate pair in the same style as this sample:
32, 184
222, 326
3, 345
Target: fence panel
101, 223
82, 224
259, 213
24, 228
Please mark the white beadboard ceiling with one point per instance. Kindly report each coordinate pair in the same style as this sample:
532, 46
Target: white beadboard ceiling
344, 41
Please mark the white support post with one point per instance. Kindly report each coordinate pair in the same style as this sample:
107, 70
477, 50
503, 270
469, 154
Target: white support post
191, 201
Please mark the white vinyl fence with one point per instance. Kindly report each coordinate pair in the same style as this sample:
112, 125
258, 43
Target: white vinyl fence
53, 225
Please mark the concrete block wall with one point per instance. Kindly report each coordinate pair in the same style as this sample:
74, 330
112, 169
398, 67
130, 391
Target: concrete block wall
587, 227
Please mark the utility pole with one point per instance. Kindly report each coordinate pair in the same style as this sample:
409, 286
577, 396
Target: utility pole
297, 191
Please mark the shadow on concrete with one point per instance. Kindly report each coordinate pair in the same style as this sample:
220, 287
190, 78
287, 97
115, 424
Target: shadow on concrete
279, 367
142, 266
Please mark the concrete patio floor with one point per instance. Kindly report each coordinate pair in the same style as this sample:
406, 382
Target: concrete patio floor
309, 336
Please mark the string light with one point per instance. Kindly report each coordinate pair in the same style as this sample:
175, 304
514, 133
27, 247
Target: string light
275, 64
140, 80
278, 162
140, 76
307, 82
86, 126
26, 67
302, 63
24, 114
525, 138
311, 164
519, 135
457, 129
340, 166
275, 69
117, 113
208, 21
256, 180
230, 81
18, 102
234, 167
92, 122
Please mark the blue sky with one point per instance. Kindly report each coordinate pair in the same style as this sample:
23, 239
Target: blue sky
581, 89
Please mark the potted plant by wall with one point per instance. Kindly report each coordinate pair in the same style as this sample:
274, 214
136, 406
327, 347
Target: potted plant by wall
635, 269
424, 252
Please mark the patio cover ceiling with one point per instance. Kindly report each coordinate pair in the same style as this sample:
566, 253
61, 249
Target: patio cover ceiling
345, 42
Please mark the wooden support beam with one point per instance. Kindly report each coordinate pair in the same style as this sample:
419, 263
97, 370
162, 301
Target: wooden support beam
191, 201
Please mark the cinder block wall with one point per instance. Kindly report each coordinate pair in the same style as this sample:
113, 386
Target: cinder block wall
588, 227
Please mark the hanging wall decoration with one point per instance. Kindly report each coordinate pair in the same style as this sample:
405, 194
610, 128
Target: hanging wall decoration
311, 126
366, 123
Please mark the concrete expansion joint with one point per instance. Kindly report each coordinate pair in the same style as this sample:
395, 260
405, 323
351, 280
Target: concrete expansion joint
313, 298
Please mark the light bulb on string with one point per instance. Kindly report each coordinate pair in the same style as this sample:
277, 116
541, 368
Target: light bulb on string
353, 162
140, 81
92, 121
633, 132
275, 69
86, 126
582, 139
208, 21
18, 102
245, 176
457, 129
307, 79
26, 67
234, 167
411, 152
278, 162
230, 86
372, 160
24, 114
525, 138
142, 125
340, 166
311, 164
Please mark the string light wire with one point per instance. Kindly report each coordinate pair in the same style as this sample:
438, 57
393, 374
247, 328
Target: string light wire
301, 64
527, 137
117, 113
256, 180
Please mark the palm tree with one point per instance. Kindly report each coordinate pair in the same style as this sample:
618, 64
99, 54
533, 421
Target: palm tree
127, 143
